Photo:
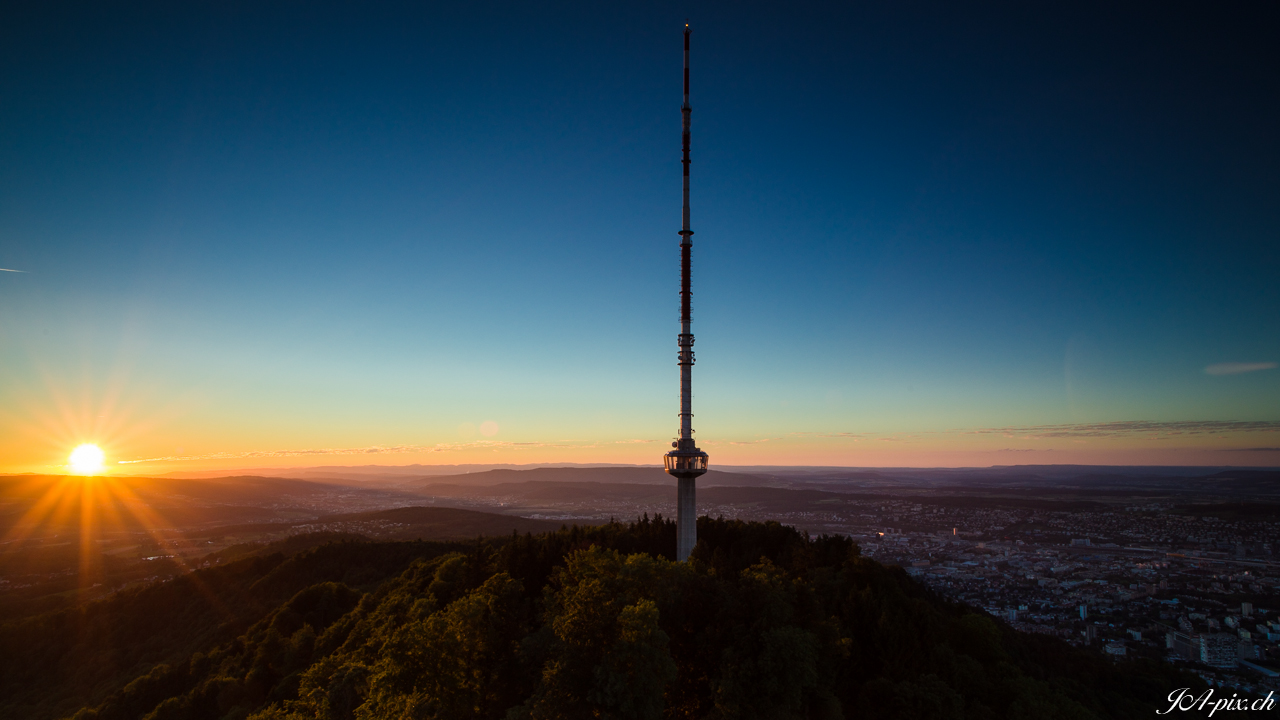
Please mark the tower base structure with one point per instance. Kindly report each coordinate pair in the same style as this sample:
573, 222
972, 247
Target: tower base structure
686, 464
686, 517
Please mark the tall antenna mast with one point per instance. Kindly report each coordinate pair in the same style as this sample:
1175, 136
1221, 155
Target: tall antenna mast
686, 462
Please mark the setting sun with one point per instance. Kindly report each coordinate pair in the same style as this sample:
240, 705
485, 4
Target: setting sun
86, 460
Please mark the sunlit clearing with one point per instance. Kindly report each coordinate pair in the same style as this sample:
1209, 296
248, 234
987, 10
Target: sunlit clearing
86, 460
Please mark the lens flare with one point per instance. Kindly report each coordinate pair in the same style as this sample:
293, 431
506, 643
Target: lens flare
86, 460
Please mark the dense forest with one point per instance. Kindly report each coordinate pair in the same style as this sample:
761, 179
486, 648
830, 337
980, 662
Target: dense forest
596, 622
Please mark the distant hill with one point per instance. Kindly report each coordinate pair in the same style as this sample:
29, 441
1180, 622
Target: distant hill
242, 489
405, 523
526, 495
440, 523
1154, 478
602, 475
553, 491
378, 473
132, 503
287, 547
69, 539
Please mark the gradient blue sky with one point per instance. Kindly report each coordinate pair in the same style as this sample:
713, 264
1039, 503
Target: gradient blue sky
250, 230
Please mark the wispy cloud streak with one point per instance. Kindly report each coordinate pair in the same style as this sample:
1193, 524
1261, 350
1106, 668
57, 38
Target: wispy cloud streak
1235, 368
1130, 428
9, 270
370, 450
853, 436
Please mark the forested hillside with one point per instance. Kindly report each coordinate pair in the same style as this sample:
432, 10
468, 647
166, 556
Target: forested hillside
583, 622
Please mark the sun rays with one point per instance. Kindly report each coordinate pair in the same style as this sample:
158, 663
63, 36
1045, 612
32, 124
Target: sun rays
81, 428
91, 512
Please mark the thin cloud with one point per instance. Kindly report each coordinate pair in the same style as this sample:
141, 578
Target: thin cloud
8, 270
855, 436
1259, 449
371, 450
1131, 428
1236, 368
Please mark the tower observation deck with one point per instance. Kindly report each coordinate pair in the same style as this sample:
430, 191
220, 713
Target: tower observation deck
686, 462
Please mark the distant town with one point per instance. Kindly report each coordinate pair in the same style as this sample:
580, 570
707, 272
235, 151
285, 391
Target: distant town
1140, 580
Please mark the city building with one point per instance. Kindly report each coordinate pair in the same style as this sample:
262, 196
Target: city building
1219, 650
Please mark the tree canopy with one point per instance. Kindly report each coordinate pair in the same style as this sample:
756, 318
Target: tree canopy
598, 622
